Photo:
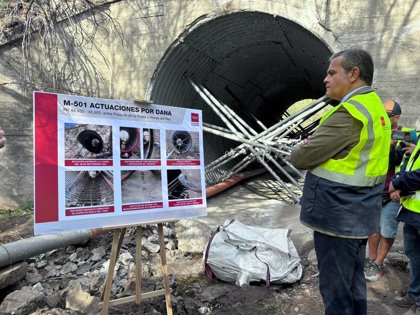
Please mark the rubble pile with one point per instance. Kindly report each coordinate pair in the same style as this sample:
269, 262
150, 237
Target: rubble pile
70, 280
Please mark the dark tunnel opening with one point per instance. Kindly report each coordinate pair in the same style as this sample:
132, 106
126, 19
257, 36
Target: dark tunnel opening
256, 63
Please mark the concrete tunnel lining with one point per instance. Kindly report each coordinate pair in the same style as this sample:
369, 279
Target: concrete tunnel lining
254, 62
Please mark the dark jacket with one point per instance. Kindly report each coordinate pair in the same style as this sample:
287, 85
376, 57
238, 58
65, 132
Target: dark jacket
408, 182
340, 210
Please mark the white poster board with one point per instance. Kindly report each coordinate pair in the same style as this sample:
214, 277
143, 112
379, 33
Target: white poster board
105, 163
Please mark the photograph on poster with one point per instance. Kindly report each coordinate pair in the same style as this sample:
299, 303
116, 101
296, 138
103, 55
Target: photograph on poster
182, 145
184, 184
85, 141
151, 144
129, 143
88, 188
141, 186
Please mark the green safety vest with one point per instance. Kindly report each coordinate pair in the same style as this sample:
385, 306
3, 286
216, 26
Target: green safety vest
366, 164
405, 157
412, 202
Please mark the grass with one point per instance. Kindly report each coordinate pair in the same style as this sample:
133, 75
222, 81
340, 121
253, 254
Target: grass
273, 305
20, 212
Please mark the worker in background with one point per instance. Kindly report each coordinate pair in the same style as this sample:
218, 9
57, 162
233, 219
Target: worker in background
406, 189
347, 162
2, 138
381, 242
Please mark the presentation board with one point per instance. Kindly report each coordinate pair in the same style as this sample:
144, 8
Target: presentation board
106, 163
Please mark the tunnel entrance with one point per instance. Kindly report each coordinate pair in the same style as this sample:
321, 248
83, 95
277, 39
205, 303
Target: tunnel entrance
256, 63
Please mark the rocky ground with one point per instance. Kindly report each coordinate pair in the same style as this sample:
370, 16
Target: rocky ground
70, 280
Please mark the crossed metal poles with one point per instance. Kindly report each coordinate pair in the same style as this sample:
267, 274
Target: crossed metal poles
271, 144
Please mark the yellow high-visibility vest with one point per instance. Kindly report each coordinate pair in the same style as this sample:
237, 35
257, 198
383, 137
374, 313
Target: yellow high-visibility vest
412, 202
366, 164
405, 157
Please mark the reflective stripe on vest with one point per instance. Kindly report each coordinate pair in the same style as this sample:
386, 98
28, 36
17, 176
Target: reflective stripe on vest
412, 202
342, 170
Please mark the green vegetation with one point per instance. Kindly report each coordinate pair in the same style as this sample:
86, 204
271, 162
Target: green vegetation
303, 103
299, 105
20, 212
273, 305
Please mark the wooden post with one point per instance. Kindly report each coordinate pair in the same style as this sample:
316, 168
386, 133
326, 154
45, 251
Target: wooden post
116, 245
139, 232
138, 297
164, 270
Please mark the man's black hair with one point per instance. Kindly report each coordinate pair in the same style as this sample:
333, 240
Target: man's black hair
357, 58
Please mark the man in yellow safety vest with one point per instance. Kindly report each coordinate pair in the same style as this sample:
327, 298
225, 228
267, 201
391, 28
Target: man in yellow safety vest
347, 162
381, 242
406, 188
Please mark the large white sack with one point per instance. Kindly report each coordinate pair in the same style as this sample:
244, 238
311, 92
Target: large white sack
241, 254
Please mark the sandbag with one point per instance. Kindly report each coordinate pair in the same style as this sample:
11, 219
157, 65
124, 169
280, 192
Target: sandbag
240, 254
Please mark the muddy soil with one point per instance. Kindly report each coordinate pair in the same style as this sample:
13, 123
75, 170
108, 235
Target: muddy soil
194, 293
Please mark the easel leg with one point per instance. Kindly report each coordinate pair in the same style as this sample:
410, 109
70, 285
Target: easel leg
116, 245
164, 270
139, 232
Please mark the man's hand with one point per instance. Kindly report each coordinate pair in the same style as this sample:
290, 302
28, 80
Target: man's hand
2, 139
391, 188
396, 195
408, 148
304, 142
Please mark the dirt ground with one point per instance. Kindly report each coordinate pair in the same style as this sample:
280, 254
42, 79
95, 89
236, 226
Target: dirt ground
16, 228
218, 297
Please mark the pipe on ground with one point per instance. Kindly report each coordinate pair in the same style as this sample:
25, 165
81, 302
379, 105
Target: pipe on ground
18, 251
219, 187
14, 252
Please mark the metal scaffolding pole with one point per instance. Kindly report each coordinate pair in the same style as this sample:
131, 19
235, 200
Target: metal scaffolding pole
272, 144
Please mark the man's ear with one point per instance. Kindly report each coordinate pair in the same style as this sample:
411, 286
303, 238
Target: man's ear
354, 74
